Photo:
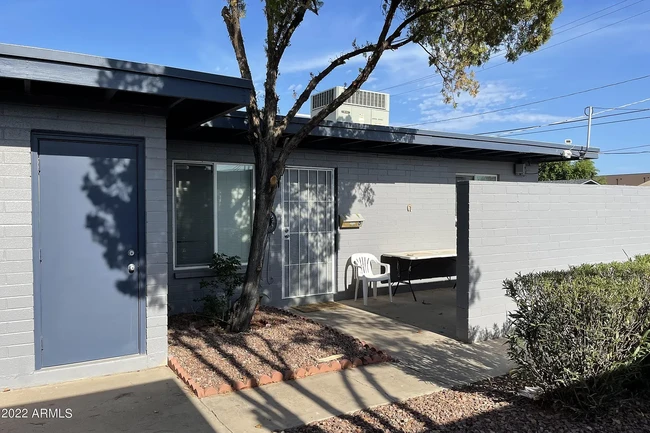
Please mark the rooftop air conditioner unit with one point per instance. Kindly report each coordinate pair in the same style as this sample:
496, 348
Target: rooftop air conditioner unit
370, 108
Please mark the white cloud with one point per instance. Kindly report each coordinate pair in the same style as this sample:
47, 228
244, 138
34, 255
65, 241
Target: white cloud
403, 60
295, 88
492, 96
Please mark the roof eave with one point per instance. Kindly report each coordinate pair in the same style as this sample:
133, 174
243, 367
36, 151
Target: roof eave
203, 96
359, 137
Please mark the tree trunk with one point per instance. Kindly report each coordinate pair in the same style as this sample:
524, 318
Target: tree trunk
244, 307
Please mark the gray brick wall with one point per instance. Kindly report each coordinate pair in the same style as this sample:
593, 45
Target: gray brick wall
506, 228
17, 358
377, 186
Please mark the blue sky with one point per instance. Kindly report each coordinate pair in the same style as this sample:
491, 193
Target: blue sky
191, 34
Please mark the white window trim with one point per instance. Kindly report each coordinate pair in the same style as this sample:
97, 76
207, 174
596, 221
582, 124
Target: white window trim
214, 165
495, 176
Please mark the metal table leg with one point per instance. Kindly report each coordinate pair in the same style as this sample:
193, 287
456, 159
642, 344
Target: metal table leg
399, 277
410, 285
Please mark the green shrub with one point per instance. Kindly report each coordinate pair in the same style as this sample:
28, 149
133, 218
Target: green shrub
217, 299
582, 334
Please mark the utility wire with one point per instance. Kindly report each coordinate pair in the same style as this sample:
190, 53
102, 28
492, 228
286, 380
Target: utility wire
597, 18
631, 110
512, 107
629, 153
534, 52
561, 122
590, 15
575, 119
415, 80
581, 126
625, 148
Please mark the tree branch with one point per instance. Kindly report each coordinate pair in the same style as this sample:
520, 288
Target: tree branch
231, 17
316, 80
377, 50
277, 43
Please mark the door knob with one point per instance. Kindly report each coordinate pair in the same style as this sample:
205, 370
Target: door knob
286, 232
131, 268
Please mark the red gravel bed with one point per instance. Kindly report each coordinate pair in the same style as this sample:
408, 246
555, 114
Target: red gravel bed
277, 340
489, 406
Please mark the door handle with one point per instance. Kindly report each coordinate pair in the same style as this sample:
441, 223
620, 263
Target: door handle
131, 268
286, 232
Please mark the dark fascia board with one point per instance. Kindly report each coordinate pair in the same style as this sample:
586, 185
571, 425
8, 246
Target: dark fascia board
29, 63
389, 134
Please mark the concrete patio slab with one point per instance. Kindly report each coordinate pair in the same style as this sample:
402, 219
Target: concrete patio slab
428, 356
435, 309
289, 404
157, 401
145, 402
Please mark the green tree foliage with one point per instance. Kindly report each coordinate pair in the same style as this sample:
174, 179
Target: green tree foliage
568, 170
456, 34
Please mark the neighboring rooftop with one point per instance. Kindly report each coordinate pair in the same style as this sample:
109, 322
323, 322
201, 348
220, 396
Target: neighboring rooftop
633, 179
575, 181
187, 98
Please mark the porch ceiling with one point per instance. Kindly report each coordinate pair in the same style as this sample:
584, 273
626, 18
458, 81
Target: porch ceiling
186, 98
394, 140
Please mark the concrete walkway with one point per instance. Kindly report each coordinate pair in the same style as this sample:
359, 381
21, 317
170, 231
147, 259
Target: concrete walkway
156, 401
144, 402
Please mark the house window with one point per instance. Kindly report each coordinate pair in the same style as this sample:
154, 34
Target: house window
213, 210
488, 177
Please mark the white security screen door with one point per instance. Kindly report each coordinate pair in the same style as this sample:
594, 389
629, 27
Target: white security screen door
308, 232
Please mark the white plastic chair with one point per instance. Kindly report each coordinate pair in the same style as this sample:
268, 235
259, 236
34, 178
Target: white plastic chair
362, 270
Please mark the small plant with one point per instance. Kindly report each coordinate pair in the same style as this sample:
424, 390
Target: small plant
583, 335
219, 290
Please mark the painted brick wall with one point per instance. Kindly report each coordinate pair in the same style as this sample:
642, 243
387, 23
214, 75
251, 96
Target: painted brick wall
16, 268
377, 186
505, 228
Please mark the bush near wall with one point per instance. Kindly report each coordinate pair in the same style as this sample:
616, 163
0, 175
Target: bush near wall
583, 334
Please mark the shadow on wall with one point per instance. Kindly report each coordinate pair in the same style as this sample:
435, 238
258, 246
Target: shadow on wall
111, 186
312, 219
481, 333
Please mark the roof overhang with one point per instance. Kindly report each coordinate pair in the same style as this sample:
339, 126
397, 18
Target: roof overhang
394, 140
187, 98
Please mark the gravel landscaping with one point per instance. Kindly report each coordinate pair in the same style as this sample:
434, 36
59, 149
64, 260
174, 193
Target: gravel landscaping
489, 406
278, 340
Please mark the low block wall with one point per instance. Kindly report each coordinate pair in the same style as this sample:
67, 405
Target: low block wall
505, 228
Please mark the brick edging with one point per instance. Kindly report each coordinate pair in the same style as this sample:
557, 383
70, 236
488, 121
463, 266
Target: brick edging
377, 357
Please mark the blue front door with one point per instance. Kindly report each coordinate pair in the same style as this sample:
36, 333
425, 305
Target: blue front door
86, 225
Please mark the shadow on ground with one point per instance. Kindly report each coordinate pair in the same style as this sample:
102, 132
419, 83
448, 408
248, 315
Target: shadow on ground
486, 407
434, 310
423, 351
149, 401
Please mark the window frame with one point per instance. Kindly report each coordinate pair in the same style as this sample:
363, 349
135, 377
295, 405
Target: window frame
495, 176
214, 165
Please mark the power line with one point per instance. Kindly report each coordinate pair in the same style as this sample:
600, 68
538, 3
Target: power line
534, 52
597, 18
631, 110
561, 122
629, 153
557, 28
530, 103
625, 148
581, 126
577, 119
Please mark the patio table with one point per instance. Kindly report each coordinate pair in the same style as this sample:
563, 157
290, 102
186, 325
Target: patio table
419, 265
